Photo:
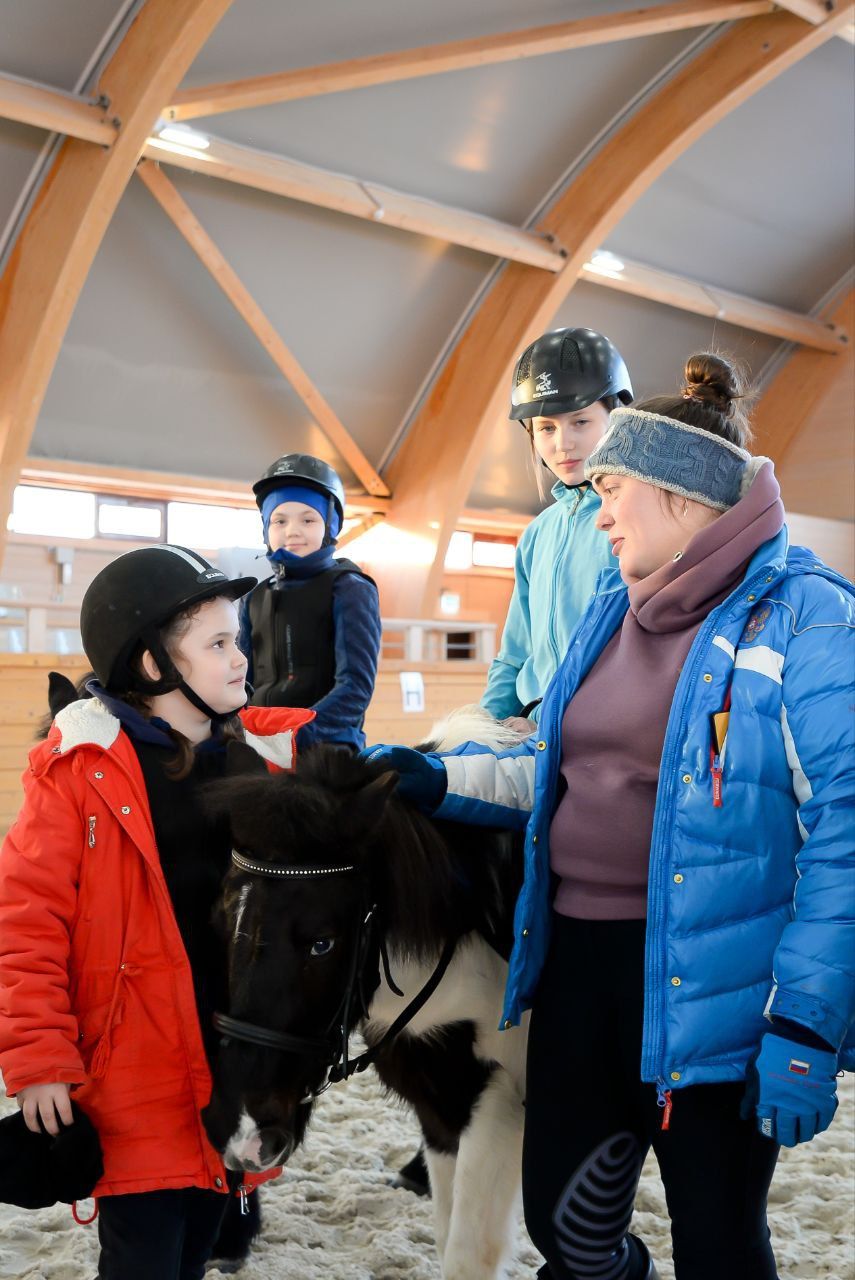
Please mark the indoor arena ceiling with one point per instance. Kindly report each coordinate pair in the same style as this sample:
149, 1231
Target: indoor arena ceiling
158, 370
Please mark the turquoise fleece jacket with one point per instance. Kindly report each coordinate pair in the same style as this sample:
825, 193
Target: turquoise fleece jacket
558, 561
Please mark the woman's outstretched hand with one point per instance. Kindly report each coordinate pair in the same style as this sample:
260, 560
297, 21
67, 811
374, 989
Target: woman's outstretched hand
422, 779
49, 1102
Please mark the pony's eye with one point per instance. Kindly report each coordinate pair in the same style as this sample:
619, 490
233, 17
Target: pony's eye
322, 947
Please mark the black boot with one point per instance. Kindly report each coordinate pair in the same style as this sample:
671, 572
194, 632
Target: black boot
642, 1268
414, 1175
650, 1273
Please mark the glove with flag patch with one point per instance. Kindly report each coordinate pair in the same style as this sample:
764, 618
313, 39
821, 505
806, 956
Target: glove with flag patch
421, 778
792, 1090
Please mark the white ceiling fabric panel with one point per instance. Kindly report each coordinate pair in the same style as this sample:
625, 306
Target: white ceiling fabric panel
52, 40
763, 203
182, 384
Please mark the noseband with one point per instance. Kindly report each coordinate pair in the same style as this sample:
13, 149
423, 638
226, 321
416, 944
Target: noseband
331, 1049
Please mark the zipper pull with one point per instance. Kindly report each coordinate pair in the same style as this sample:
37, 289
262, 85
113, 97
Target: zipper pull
716, 771
92, 831
663, 1101
243, 1190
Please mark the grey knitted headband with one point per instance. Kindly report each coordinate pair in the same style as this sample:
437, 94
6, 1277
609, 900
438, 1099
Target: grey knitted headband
673, 456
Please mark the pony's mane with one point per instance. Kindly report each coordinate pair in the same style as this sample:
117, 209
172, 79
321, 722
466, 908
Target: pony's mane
324, 812
470, 723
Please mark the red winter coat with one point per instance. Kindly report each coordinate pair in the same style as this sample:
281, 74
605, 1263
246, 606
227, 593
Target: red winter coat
95, 985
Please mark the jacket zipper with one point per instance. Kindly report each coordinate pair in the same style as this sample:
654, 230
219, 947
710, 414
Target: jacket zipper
653, 1035
557, 569
92, 831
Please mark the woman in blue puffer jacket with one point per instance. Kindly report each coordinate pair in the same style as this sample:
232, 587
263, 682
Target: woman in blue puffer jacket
686, 922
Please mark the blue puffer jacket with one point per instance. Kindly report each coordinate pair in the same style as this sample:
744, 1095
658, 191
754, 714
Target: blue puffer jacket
751, 906
558, 562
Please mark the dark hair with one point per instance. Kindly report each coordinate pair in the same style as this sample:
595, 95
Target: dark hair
712, 398
171, 634
538, 465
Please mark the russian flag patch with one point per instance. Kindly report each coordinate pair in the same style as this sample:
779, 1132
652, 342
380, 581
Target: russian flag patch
799, 1068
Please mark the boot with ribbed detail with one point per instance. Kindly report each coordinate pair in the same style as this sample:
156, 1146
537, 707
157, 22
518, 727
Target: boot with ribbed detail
650, 1273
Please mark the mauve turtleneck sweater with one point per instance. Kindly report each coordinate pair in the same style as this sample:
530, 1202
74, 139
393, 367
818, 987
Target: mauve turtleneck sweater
614, 727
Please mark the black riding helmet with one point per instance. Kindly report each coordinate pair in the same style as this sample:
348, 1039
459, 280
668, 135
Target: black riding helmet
128, 601
312, 473
566, 370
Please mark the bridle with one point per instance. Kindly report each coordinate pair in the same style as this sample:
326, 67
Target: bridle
331, 1048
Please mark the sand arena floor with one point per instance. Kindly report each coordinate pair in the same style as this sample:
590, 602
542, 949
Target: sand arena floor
333, 1215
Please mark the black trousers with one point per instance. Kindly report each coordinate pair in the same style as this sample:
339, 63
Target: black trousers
590, 1123
158, 1235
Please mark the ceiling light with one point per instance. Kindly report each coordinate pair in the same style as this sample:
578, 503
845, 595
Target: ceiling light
604, 263
184, 137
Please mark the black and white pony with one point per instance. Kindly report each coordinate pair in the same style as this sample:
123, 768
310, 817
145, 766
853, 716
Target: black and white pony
347, 909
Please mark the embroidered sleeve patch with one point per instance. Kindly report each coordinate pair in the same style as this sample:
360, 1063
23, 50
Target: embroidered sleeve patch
799, 1068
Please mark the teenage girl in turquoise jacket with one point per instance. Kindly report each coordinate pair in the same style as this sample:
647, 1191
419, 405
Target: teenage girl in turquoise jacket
564, 386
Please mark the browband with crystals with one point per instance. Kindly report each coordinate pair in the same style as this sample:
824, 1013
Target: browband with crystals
286, 873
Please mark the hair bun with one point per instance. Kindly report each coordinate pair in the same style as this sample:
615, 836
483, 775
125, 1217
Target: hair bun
714, 381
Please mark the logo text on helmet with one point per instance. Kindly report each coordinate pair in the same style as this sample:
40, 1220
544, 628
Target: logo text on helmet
543, 384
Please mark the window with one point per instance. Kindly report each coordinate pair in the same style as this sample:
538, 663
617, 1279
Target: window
494, 553
191, 524
126, 518
57, 513
467, 550
459, 553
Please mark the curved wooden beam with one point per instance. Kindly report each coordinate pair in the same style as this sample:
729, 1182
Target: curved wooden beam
789, 400
433, 471
55, 249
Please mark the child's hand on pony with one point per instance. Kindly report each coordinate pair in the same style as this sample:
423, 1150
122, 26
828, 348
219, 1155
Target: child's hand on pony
48, 1103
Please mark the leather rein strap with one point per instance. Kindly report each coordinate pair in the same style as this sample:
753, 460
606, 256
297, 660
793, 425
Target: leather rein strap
335, 1054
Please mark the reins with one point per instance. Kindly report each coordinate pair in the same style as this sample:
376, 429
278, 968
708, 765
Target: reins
333, 1049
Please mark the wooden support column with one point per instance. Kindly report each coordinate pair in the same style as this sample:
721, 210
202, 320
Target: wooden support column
182, 216
58, 242
432, 473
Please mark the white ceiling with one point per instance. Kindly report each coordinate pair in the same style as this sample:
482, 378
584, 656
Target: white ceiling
158, 371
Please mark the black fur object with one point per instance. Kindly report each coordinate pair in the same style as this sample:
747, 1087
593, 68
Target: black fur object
62, 692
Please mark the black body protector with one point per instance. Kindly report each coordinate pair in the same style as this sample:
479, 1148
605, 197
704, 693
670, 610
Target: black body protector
293, 639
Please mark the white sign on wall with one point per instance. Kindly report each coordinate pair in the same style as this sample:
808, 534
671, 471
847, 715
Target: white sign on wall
412, 691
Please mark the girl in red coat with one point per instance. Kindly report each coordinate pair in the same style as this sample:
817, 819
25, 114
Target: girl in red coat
109, 966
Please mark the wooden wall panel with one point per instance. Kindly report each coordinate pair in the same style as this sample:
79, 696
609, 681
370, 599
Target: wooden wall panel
23, 702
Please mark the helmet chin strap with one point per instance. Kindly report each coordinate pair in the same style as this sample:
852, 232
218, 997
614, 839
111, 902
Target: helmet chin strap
171, 680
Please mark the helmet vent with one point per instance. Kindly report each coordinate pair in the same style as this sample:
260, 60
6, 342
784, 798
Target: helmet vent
524, 366
570, 360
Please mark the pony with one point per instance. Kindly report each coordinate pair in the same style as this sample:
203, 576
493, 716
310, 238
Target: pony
347, 909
